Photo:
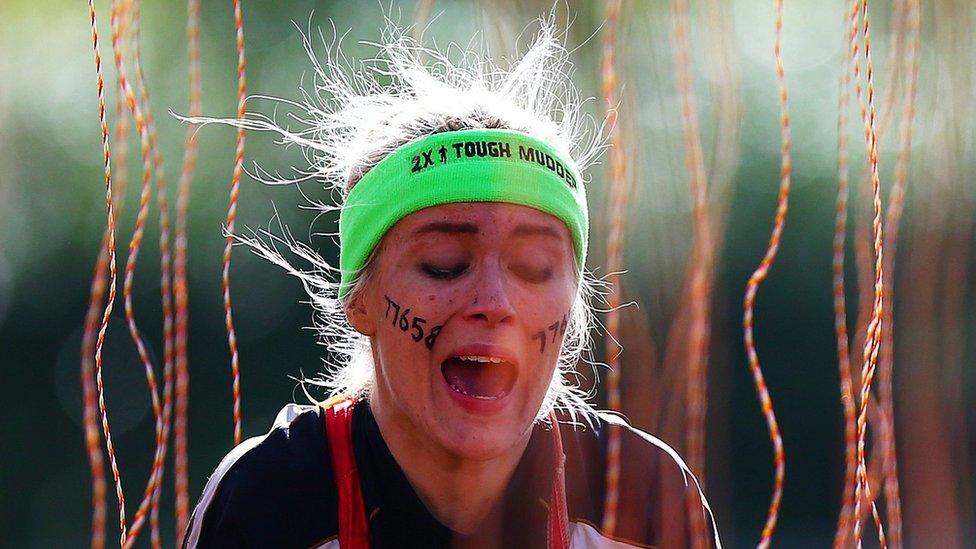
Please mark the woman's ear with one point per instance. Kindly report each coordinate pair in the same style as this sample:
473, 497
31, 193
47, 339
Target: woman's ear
358, 315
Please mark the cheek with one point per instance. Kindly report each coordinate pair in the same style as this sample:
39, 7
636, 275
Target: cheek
403, 322
548, 332
546, 318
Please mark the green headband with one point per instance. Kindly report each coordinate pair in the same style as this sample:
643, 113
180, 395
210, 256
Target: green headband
459, 166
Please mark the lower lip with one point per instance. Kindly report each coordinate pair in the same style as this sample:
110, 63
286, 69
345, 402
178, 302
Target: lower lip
476, 405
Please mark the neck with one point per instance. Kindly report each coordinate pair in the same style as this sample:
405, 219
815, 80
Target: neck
463, 494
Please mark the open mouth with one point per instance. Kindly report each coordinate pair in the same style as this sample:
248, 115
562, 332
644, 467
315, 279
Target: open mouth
480, 377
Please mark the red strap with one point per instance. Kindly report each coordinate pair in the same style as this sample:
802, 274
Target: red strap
353, 528
558, 515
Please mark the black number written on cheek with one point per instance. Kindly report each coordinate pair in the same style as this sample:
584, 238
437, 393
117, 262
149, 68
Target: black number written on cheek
391, 303
541, 336
558, 329
412, 324
430, 339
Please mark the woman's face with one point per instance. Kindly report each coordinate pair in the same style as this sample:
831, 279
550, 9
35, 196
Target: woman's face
466, 307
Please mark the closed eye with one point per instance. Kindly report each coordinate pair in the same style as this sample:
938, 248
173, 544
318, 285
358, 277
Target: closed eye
533, 274
443, 273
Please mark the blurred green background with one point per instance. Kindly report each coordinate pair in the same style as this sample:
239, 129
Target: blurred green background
52, 217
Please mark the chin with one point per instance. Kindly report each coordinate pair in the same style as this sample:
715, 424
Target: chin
474, 433
479, 440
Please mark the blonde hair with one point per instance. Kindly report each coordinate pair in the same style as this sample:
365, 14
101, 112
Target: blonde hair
351, 117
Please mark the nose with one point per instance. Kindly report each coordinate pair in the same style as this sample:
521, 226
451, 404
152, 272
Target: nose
490, 302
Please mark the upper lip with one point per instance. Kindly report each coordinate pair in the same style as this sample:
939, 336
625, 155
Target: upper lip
483, 349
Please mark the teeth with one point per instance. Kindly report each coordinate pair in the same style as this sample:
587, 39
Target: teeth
478, 358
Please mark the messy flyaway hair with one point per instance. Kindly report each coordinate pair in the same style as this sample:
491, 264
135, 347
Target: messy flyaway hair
351, 116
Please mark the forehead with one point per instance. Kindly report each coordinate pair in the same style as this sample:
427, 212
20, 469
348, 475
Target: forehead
489, 219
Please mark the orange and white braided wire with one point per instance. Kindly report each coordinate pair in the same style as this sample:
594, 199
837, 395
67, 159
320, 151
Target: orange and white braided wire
752, 287
892, 222
618, 197
700, 272
872, 341
162, 440
840, 311
235, 189
134, 246
96, 297
110, 216
180, 287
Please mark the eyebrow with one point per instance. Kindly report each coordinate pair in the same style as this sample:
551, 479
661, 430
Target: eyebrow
446, 227
536, 230
524, 229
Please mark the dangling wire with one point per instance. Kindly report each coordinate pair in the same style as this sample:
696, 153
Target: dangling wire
180, 288
865, 270
892, 222
134, 247
872, 341
231, 218
701, 268
162, 440
110, 217
779, 456
618, 199
90, 398
145, 146
92, 316
863, 252
862, 240
840, 308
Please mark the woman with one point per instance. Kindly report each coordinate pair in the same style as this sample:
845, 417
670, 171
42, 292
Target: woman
459, 311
